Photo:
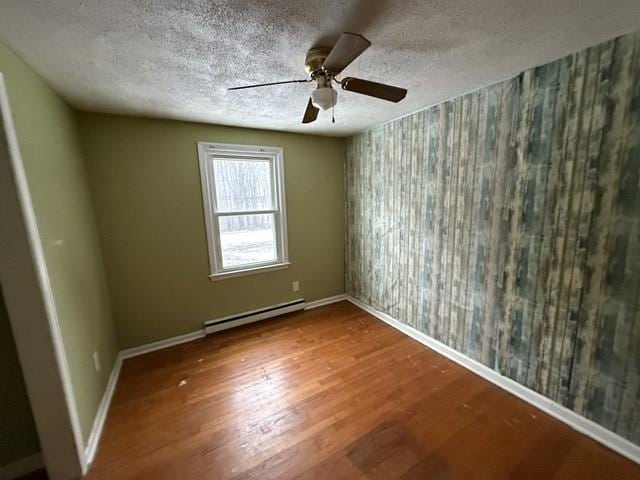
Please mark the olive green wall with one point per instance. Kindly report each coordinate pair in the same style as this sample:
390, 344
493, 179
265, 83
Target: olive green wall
145, 182
47, 135
18, 438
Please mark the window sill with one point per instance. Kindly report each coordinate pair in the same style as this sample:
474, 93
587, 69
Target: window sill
214, 277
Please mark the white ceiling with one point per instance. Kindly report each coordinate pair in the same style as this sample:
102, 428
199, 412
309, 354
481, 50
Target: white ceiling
175, 59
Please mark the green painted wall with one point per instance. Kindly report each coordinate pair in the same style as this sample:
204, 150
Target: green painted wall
506, 224
56, 173
18, 438
145, 182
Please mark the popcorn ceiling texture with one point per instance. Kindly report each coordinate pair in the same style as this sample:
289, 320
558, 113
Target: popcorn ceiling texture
175, 59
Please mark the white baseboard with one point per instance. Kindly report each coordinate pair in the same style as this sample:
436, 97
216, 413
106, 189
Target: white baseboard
188, 337
579, 423
161, 344
325, 301
101, 415
21, 467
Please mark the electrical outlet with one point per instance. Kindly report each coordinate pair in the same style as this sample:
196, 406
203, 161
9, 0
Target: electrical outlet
96, 361
295, 286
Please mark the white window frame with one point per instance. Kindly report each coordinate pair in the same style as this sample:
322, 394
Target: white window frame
207, 152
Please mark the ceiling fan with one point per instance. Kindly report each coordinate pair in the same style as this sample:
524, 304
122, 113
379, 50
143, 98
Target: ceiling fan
323, 64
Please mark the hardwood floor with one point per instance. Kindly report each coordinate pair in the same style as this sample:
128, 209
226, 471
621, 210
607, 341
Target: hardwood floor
330, 393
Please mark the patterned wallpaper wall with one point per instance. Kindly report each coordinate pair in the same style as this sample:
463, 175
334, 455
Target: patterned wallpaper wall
506, 224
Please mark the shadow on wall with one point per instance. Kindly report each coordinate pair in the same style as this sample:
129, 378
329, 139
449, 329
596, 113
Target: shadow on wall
18, 437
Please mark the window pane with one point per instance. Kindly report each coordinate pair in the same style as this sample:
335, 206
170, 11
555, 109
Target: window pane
247, 239
242, 185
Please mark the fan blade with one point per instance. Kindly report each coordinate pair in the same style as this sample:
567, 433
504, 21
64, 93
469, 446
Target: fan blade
310, 114
373, 89
348, 47
269, 84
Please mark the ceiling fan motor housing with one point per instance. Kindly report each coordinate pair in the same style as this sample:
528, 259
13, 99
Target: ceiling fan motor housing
315, 59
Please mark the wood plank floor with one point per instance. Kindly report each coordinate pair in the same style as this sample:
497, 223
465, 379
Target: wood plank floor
330, 393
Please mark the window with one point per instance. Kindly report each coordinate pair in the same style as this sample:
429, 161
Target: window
244, 205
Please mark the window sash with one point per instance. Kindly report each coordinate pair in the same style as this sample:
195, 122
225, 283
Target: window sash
244, 266
208, 153
241, 157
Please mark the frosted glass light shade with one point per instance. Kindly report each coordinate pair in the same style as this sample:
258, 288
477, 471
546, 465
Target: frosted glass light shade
324, 97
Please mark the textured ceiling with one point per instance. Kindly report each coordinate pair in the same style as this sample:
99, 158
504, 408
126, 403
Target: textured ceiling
175, 59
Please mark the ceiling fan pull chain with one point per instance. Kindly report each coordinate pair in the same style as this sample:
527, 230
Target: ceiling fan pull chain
333, 113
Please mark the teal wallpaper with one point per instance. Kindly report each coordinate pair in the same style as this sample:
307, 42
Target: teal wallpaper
506, 224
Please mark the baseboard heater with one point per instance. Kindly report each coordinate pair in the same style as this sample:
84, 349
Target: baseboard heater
231, 321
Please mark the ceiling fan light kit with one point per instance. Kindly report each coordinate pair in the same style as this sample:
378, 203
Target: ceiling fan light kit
324, 97
323, 64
